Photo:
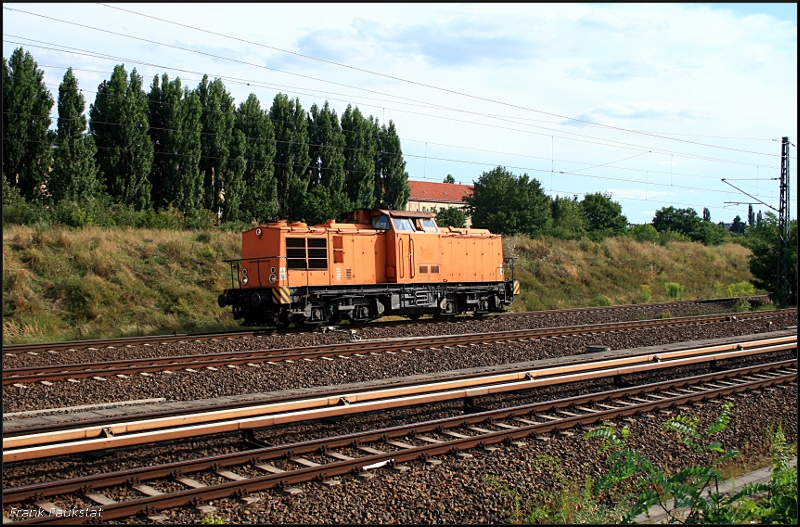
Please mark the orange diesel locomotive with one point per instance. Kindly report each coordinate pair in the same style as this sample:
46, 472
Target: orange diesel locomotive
375, 263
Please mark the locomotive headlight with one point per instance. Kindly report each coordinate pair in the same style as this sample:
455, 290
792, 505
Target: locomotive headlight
258, 231
244, 277
273, 278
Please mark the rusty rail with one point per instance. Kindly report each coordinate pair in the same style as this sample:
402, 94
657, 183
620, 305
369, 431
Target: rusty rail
177, 337
126, 367
699, 388
190, 424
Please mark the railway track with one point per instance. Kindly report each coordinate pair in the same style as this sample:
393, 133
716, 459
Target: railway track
81, 436
100, 370
179, 337
325, 460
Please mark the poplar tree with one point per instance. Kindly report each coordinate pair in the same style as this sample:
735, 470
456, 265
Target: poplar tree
119, 123
326, 197
260, 194
359, 157
74, 176
291, 157
27, 141
222, 163
391, 182
175, 130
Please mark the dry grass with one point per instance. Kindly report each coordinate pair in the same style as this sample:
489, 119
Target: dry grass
62, 284
557, 273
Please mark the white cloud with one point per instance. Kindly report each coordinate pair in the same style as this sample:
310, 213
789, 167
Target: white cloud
611, 113
637, 194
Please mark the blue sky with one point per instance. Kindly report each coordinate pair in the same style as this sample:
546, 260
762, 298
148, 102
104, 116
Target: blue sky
653, 103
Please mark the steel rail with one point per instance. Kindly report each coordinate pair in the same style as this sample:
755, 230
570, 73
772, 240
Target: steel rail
573, 363
245, 486
54, 488
86, 439
122, 367
177, 337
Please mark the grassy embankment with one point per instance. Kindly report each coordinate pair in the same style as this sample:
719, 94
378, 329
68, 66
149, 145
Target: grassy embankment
64, 284
557, 274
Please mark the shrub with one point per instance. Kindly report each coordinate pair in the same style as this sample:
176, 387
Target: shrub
674, 290
742, 306
647, 293
643, 233
601, 300
635, 479
665, 237
741, 289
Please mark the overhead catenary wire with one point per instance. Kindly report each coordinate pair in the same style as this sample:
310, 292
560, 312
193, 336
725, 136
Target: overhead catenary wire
372, 91
565, 192
423, 84
439, 159
424, 105
570, 161
615, 144
461, 161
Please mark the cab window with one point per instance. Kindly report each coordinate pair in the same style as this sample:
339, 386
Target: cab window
403, 224
381, 222
428, 225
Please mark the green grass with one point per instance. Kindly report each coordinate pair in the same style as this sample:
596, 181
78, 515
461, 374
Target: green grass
64, 284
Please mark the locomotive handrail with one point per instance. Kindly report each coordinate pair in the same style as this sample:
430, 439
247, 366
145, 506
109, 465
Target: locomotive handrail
412, 259
510, 261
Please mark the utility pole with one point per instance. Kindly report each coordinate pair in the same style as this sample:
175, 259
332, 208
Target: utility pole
782, 269
782, 276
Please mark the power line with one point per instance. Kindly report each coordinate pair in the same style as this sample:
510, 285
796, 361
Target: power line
404, 98
422, 104
628, 146
591, 176
423, 141
426, 157
429, 85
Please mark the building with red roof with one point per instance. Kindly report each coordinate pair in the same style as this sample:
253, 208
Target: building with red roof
430, 197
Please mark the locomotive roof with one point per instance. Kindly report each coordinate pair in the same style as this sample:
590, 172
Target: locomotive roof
407, 213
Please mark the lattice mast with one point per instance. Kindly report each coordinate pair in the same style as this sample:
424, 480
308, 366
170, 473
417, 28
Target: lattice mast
782, 274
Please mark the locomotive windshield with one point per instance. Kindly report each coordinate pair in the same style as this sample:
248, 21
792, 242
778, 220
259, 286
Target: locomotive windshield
381, 222
403, 224
428, 225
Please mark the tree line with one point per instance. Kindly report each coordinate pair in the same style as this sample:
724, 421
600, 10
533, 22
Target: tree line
191, 151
